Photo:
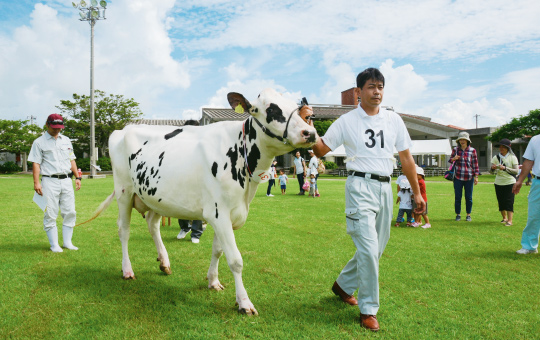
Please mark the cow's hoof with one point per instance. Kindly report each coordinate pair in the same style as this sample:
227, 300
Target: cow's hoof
166, 270
216, 286
129, 277
248, 311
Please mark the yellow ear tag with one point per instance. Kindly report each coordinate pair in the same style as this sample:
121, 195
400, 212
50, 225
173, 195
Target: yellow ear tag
239, 109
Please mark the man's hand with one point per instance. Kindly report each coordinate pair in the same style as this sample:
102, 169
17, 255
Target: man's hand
77, 184
517, 187
475, 180
420, 204
37, 188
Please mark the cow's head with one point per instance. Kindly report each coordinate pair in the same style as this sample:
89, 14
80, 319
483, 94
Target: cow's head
279, 117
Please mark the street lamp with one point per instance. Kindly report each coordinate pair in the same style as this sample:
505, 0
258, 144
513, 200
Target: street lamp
91, 13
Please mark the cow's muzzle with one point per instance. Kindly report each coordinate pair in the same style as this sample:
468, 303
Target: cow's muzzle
309, 135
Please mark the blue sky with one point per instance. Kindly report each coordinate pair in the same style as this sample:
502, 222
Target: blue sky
448, 60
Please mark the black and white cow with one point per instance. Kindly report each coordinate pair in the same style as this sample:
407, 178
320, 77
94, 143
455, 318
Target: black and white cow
203, 173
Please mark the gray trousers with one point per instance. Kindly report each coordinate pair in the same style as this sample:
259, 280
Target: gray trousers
368, 208
196, 227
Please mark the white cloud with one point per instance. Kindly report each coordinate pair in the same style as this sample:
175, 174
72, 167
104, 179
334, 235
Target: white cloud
49, 59
460, 113
404, 88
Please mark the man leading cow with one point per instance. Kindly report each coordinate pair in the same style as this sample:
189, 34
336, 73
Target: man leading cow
369, 134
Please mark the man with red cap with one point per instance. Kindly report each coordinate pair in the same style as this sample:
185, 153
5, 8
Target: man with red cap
52, 156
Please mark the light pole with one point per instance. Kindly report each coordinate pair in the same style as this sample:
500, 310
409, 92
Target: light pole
91, 13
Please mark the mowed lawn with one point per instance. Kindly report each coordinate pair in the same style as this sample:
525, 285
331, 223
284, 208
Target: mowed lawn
457, 280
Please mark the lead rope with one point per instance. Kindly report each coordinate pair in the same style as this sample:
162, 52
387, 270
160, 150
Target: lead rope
245, 148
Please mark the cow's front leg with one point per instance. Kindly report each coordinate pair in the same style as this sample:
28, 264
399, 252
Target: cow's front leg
212, 276
225, 234
153, 221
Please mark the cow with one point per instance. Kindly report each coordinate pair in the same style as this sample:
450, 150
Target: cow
206, 173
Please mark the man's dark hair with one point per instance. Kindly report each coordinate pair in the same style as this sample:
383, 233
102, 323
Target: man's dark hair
367, 74
192, 122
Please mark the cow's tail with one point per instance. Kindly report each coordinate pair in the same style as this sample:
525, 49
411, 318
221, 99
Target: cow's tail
104, 205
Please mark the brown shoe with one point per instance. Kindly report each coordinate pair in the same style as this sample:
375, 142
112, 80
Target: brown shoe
349, 299
369, 322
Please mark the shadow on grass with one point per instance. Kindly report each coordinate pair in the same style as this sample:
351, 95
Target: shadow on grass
25, 248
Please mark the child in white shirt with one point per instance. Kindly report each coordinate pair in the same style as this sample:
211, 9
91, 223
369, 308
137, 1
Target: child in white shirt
405, 203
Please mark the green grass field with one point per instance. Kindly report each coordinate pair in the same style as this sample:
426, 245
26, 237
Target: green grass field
457, 280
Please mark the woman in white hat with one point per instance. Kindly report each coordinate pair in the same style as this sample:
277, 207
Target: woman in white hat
505, 165
466, 173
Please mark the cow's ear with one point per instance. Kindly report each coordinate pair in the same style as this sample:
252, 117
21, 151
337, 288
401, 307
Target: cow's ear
238, 102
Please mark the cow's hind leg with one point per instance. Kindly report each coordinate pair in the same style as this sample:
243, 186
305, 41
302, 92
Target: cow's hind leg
212, 276
124, 219
226, 238
153, 221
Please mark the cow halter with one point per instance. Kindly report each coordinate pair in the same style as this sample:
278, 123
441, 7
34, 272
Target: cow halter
273, 135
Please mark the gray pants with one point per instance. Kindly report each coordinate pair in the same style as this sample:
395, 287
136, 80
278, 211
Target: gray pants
368, 206
196, 227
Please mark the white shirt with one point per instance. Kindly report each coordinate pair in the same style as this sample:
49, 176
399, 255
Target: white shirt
298, 164
313, 165
532, 153
369, 140
53, 155
406, 200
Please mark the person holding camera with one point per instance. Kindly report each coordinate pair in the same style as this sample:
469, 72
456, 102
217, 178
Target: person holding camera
505, 165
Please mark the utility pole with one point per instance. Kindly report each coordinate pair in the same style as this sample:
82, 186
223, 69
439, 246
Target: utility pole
476, 116
32, 119
92, 13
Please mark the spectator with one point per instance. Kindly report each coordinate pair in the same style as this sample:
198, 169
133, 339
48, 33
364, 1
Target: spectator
531, 162
405, 202
283, 180
313, 170
272, 182
465, 173
418, 217
300, 171
505, 165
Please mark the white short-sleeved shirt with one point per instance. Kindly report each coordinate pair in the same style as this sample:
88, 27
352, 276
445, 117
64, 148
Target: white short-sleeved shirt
406, 199
369, 140
532, 153
53, 155
313, 165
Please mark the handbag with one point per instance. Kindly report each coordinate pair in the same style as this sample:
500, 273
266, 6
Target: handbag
449, 174
305, 187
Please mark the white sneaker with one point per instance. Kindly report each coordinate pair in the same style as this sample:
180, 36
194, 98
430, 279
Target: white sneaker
425, 226
181, 234
194, 240
524, 251
270, 195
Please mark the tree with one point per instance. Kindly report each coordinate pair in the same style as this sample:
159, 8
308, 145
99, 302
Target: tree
321, 126
111, 112
523, 126
17, 136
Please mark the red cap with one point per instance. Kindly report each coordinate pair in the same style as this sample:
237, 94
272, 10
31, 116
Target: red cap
55, 121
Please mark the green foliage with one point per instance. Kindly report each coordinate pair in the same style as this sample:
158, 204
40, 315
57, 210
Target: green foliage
321, 126
17, 136
519, 127
330, 165
103, 162
9, 168
111, 112
83, 164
